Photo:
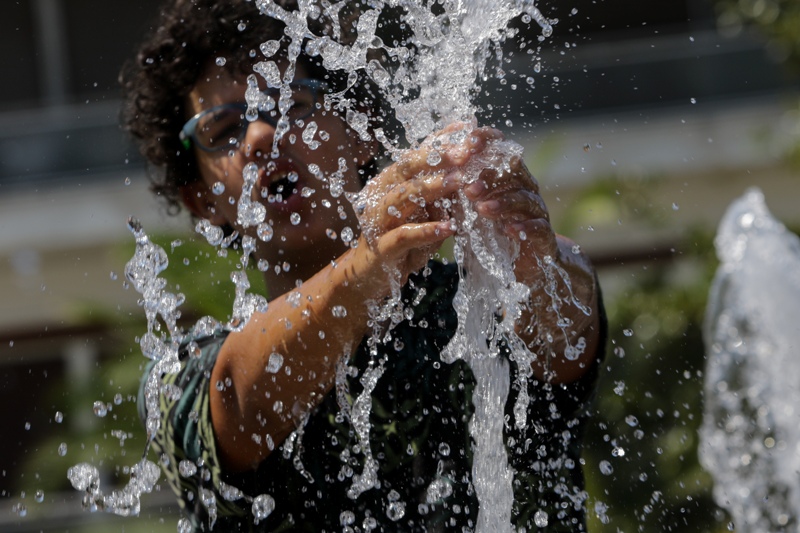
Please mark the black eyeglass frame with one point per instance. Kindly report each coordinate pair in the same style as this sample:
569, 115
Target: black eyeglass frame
188, 133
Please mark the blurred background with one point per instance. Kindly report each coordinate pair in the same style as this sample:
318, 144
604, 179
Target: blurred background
644, 121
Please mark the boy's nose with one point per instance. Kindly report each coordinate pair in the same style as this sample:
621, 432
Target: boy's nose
258, 139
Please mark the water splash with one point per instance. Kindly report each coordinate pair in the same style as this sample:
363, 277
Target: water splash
437, 67
125, 502
142, 271
161, 343
249, 212
434, 75
750, 433
450, 54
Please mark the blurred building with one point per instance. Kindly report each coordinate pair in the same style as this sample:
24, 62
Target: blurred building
651, 94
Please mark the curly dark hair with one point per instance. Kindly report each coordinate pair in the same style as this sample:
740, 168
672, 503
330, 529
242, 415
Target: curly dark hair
187, 35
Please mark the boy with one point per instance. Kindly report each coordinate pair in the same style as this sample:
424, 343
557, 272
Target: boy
268, 433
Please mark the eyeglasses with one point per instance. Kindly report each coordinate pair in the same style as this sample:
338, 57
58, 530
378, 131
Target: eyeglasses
224, 126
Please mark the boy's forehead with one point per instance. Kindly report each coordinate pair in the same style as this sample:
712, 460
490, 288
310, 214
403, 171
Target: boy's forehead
220, 68
221, 83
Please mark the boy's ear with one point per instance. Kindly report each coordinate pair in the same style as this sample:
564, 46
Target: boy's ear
198, 200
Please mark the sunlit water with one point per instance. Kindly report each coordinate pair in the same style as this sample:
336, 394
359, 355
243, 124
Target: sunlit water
751, 427
450, 51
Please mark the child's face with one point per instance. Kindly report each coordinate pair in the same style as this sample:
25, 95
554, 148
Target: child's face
299, 206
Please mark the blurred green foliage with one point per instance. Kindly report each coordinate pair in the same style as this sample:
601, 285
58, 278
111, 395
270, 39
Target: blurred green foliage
640, 451
649, 405
778, 21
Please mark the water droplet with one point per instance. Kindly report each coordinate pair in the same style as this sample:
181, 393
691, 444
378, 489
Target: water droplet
20, 510
618, 452
263, 505
339, 311
218, 188
127, 181
693, 100
438, 490
100, 408
62, 449
627, 332
434, 158
632, 421
265, 231
295, 218
347, 234
242, 26
444, 449
185, 526
268, 48
675, 206
83, 476
347, 518
193, 349
213, 234
39, 496
308, 136
605, 468
187, 468
540, 518
275, 363
220, 61
395, 510
59, 417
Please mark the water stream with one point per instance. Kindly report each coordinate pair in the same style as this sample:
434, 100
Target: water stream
451, 44
750, 435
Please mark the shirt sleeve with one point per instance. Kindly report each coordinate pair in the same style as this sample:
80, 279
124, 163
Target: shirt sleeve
184, 443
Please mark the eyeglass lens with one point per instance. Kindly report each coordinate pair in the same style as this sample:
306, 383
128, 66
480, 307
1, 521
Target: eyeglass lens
226, 125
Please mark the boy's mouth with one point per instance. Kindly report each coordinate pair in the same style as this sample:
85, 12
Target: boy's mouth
282, 182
